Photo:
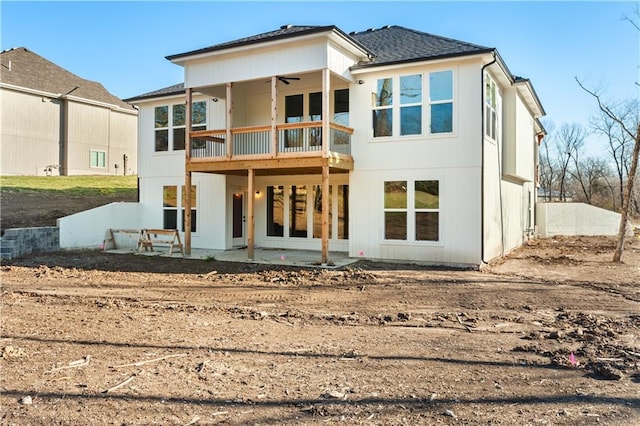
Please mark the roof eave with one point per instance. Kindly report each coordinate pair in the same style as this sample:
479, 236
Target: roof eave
358, 67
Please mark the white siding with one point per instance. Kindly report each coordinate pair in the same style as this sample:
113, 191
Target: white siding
453, 159
297, 58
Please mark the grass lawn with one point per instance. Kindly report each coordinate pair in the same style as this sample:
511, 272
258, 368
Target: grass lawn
71, 185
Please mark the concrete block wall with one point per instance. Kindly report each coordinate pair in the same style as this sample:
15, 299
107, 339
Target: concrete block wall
20, 241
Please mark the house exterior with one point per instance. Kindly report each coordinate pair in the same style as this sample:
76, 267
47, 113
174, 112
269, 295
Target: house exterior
387, 144
54, 122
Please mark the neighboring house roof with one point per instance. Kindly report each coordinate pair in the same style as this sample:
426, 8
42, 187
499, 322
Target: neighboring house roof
24, 69
394, 44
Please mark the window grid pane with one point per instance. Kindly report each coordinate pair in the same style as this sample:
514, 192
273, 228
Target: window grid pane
395, 226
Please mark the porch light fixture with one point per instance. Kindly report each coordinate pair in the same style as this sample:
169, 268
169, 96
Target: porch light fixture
214, 99
360, 81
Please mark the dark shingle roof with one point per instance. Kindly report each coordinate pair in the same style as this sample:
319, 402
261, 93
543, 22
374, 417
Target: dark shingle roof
23, 68
175, 89
385, 46
394, 44
283, 32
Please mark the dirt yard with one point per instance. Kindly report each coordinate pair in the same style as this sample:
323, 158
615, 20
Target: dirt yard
550, 335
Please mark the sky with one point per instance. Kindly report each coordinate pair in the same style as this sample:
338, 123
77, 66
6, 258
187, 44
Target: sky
123, 44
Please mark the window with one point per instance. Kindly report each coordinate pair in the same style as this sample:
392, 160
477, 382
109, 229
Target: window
170, 207
298, 211
302, 205
395, 210
177, 124
317, 211
383, 109
294, 111
435, 92
341, 107
275, 211
162, 128
315, 114
427, 205
98, 159
412, 204
411, 105
441, 101
490, 108
343, 212
193, 207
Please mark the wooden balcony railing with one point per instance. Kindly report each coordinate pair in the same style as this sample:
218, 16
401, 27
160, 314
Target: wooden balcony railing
256, 140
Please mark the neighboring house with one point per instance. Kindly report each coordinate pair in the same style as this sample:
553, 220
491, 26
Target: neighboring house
387, 144
54, 122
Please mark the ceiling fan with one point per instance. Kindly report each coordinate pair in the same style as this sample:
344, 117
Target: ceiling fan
285, 79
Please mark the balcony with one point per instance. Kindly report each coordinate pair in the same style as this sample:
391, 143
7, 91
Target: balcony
296, 148
256, 141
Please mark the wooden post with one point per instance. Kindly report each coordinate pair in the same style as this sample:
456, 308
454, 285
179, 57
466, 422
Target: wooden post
326, 90
325, 214
274, 114
229, 120
187, 176
250, 219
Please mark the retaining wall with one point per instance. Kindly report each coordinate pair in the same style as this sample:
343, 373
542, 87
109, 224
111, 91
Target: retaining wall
20, 241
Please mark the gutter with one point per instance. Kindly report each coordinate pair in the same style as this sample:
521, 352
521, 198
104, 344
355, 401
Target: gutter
495, 59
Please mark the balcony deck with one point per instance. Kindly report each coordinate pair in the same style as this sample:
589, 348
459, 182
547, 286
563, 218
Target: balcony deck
295, 148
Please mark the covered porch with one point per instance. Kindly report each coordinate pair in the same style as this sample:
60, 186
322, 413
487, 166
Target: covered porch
298, 129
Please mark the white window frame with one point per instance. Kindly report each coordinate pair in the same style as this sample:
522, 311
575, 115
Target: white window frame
97, 165
419, 103
443, 101
410, 210
171, 127
425, 102
491, 109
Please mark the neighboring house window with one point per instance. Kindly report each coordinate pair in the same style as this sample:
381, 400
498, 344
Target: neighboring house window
411, 105
383, 109
435, 92
170, 207
177, 127
98, 159
423, 211
490, 108
441, 101
162, 128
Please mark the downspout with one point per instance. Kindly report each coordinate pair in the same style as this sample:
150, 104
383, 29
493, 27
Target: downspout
482, 155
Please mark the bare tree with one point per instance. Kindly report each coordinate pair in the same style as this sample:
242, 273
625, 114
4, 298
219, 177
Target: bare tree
589, 175
569, 143
548, 166
619, 143
634, 133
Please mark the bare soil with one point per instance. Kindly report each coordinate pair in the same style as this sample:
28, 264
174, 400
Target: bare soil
548, 335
